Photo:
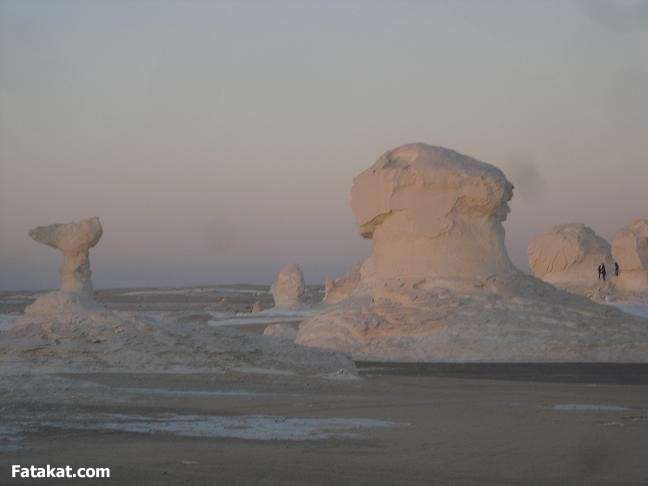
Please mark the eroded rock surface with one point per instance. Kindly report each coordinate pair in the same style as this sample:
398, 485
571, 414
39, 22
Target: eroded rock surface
342, 287
439, 285
432, 213
630, 250
288, 289
74, 240
568, 256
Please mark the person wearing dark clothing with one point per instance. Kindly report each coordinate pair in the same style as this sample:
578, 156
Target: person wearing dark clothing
599, 272
616, 269
603, 271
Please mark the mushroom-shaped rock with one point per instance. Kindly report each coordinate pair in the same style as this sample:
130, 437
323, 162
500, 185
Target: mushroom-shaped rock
432, 213
568, 256
439, 285
336, 290
288, 287
74, 240
630, 250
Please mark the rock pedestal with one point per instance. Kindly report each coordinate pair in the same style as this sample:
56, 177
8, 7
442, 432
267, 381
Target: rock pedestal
74, 240
288, 287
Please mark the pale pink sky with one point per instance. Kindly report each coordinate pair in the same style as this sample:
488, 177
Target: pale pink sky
217, 141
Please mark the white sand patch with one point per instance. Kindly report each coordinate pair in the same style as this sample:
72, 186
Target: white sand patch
342, 375
192, 291
235, 290
584, 407
262, 371
269, 316
249, 427
167, 292
243, 321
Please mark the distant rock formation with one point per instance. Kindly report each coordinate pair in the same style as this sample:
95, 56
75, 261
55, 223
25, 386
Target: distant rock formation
74, 240
288, 288
336, 290
568, 256
439, 285
630, 250
256, 307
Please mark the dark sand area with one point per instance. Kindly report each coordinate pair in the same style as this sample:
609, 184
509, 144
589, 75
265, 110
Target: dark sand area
453, 430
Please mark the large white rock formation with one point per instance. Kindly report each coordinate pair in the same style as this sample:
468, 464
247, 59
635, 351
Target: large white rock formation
288, 287
568, 256
342, 287
630, 250
74, 240
432, 213
439, 285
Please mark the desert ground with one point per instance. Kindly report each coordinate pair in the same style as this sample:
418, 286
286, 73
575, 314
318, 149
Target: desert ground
397, 424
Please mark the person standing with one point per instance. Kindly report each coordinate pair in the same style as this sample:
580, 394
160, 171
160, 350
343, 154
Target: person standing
599, 271
603, 271
616, 269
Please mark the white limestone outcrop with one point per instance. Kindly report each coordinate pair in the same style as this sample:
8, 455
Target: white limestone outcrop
288, 287
432, 213
439, 285
74, 240
68, 331
342, 287
568, 256
630, 250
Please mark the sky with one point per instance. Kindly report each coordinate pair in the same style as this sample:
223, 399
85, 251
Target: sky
217, 141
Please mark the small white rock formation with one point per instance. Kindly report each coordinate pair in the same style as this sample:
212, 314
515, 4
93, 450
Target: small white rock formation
256, 307
288, 287
341, 288
74, 240
568, 256
281, 331
439, 285
630, 250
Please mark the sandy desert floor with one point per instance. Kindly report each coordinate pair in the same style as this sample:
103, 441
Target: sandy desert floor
399, 424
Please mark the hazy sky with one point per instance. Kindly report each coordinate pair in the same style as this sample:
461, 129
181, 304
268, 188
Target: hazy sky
217, 141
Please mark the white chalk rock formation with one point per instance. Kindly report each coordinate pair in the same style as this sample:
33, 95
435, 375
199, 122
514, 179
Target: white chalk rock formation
630, 250
74, 240
67, 331
341, 288
568, 256
432, 213
439, 285
288, 287
281, 331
